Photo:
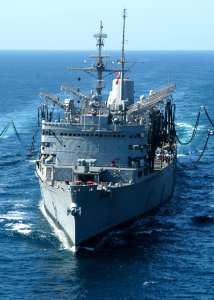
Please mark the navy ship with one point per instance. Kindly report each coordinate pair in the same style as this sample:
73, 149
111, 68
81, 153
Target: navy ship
108, 159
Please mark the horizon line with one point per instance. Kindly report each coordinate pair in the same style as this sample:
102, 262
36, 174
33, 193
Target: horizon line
106, 50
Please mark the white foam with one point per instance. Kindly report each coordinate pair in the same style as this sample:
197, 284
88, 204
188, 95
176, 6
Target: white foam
57, 232
15, 221
86, 248
184, 125
19, 205
149, 282
181, 155
33, 161
21, 228
18, 227
11, 216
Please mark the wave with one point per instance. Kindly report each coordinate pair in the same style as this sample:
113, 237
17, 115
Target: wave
12, 161
181, 155
19, 227
146, 283
186, 125
64, 243
11, 216
32, 161
142, 232
23, 231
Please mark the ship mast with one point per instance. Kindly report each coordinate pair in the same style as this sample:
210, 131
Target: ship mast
100, 64
123, 54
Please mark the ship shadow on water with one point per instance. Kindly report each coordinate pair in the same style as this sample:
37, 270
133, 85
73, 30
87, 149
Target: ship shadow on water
203, 220
145, 232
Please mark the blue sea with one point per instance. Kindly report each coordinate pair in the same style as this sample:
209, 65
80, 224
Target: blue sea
168, 253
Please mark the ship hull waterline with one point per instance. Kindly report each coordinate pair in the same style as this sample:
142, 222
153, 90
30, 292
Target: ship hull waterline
98, 211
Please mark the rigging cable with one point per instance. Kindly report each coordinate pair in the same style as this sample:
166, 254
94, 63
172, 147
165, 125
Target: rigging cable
201, 154
33, 142
193, 133
196, 126
208, 117
18, 136
5, 129
11, 124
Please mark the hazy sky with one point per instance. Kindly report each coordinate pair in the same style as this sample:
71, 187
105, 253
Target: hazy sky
70, 24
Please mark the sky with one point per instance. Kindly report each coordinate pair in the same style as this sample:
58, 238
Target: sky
70, 24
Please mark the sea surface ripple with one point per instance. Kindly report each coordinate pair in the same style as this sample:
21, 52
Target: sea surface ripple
168, 253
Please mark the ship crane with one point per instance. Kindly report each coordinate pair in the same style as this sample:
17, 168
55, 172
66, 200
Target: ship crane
53, 99
154, 98
74, 92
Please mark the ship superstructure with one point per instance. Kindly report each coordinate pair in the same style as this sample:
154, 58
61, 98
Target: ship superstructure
107, 160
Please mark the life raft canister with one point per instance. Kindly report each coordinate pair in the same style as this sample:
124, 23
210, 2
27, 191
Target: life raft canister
90, 182
78, 182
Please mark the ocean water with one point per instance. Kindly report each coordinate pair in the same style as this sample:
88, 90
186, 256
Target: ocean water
167, 254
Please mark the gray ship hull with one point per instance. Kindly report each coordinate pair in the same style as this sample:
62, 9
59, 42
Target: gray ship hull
84, 212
